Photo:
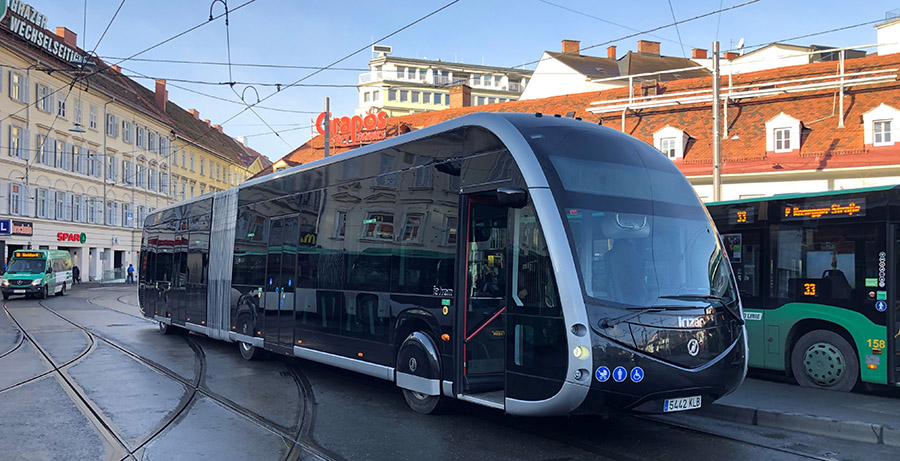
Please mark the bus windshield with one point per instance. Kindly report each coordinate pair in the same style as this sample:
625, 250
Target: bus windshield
30, 266
639, 233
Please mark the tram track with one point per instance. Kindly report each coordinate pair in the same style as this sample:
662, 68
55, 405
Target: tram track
293, 438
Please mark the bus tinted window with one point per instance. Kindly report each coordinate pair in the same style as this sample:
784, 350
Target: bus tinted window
31, 266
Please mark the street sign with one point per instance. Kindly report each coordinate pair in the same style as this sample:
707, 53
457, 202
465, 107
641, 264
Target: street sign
5, 226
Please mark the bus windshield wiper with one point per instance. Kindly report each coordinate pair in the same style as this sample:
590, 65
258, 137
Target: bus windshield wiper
609, 323
711, 299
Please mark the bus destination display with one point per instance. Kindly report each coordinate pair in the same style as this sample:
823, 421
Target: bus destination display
846, 208
28, 254
742, 215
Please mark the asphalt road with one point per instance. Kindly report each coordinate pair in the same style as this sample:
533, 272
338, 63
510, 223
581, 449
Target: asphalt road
86, 377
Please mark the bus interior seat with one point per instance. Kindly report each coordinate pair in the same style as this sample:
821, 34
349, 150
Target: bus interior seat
840, 287
624, 265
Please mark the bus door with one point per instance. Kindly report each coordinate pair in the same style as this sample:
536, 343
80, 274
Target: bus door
893, 320
484, 304
178, 295
278, 322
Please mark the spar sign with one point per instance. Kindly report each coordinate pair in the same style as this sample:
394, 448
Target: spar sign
358, 129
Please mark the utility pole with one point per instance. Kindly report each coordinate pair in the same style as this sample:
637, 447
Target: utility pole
717, 139
327, 127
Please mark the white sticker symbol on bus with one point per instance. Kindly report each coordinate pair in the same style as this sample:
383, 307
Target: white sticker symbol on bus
882, 264
693, 347
752, 315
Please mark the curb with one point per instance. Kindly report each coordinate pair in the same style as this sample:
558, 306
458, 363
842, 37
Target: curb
856, 431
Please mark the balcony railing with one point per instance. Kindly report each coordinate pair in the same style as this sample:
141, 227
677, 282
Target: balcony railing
374, 76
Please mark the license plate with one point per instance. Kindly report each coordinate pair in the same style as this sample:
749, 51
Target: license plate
19, 291
684, 403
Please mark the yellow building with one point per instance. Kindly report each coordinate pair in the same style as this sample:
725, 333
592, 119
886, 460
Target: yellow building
86, 153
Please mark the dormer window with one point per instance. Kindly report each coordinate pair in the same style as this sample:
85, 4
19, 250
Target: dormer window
671, 142
882, 131
667, 146
877, 126
782, 139
782, 134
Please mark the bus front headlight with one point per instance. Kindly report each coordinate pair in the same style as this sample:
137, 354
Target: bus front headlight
35, 282
4, 282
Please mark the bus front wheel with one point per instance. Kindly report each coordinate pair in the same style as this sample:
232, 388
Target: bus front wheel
250, 352
825, 360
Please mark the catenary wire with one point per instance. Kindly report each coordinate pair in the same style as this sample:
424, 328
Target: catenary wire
672, 9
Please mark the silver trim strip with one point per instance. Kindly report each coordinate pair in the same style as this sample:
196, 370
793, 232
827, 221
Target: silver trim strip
448, 388
237, 337
165, 320
568, 398
366, 368
196, 328
419, 384
480, 401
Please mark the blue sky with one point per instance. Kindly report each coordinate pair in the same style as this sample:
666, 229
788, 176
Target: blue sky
493, 32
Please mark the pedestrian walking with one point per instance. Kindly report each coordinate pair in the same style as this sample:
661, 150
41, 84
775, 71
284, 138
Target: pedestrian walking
130, 278
76, 274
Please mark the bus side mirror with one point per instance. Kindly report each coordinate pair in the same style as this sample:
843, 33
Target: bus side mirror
49, 270
512, 197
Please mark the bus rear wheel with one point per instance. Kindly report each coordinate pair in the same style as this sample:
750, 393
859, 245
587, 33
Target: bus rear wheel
62, 292
250, 352
824, 359
166, 329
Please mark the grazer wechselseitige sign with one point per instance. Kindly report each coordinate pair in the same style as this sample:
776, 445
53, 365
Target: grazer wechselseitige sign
29, 24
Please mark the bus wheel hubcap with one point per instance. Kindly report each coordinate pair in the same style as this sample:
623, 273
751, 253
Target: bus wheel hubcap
824, 364
419, 395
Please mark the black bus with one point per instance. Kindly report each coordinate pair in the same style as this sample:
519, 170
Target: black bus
534, 264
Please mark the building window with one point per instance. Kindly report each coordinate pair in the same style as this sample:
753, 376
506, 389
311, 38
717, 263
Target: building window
44, 99
18, 87
75, 207
411, 227
18, 142
414, 97
667, 146
379, 226
376, 95
447, 99
386, 178
127, 215
48, 150
480, 101
61, 207
15, 199
423, 172
392, 95
450, 230
127, 133
153, 142
183, 158
77, 112
126, 171
141, 136
152, 176
782, 139
111, 168
218, 172
367, 96
192, 189
164, 146
426, 98
112, 125
92, 118
140, 176
404, 95
192, 161
79, 160
340, 223
41, 203
164, 183
202, 165
882, 132
61, 108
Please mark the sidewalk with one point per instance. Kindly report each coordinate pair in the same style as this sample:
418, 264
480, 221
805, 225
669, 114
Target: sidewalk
858, 416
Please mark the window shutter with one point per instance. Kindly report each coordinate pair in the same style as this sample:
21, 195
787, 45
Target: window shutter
25, 139
10, 131
25, 200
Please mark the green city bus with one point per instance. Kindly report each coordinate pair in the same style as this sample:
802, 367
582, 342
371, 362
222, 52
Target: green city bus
37, 273
818, 280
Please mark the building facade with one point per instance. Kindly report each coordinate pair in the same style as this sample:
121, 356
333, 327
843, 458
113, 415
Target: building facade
401, 86
86, 153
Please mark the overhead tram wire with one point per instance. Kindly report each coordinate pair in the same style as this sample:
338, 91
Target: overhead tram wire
237, 64
296, 83
108, 25
101, 69
672, 9
606, 20
648, 31
219, 98
837, 29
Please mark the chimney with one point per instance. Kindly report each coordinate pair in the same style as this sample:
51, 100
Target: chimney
611, 52
571, 46
68, 37
730, 55
648, 47
195, 113
698, 53
206, 121
242, 140
117, 68
162, 95
460, 96
218, 127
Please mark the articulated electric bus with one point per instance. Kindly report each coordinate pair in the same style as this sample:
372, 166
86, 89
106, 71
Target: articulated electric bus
537, 265
818, 276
